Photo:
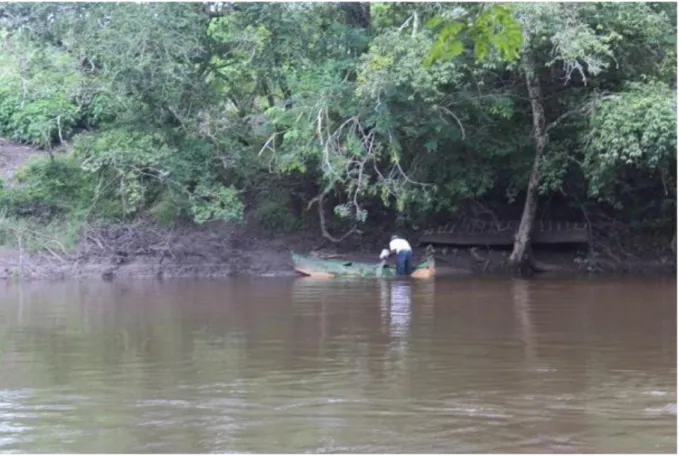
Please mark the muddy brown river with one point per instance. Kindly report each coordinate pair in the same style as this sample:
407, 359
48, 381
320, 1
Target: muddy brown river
270, 365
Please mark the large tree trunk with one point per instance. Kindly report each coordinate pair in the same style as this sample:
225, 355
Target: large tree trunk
521, 258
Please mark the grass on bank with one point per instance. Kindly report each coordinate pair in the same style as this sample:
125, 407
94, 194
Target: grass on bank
58, 237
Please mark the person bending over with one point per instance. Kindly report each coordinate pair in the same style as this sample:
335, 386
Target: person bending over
404, 255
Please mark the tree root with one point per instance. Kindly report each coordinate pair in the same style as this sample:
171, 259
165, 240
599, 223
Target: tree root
475, 255
541, 267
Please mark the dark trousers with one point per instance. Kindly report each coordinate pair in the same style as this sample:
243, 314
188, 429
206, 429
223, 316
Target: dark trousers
404, 262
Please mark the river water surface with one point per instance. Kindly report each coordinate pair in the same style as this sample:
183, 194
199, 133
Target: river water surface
473, 365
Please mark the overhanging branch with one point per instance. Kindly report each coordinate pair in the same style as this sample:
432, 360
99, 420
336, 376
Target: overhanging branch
318, 200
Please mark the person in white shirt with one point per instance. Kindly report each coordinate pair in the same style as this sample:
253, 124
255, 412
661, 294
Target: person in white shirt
404, 255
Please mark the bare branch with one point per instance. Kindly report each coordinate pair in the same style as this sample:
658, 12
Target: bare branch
267, 144
61, 138
559, 119
321, 217
584, 109
450, 113
405, 24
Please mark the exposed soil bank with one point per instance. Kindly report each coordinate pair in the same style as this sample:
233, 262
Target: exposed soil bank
144, 250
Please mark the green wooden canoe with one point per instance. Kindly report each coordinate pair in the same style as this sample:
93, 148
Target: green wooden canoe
317, 267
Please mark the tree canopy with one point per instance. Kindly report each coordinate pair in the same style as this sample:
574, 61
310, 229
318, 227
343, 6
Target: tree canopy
384, 111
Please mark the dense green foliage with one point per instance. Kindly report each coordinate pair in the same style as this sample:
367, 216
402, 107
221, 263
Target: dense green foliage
406, 112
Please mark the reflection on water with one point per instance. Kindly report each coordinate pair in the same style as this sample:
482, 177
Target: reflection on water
395, 297
474, 365
522, 309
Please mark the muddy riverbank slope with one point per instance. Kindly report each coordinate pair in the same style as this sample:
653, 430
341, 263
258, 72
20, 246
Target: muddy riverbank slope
144, 250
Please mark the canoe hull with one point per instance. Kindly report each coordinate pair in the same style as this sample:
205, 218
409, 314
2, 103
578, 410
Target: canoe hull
326, 269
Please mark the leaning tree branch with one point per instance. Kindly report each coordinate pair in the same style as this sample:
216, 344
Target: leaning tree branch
586, 108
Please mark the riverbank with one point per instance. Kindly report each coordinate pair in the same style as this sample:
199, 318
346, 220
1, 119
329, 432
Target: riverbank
145, 250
